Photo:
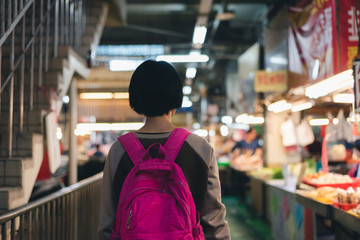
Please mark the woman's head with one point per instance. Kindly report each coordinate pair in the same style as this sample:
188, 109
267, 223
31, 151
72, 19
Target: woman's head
155, 89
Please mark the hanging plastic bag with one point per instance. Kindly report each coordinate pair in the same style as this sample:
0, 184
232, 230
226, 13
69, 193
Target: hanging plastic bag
288, 133
304, 133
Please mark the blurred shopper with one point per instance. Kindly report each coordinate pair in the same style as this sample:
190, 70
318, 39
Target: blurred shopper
98, 153
250, 145
94, 165
248, 152
355, 170
156, 91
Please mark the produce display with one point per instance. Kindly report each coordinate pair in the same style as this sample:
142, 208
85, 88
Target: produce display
336, 180
268, 173
347, 199
324, 195
342, 191
355, 211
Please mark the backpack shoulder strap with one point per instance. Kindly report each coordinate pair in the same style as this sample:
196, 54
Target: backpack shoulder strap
175, 142
132, 146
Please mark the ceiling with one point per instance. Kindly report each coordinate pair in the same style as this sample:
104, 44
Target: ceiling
171, 23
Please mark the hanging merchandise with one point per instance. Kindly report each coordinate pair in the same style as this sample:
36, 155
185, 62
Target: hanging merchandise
344, 128
330, 130
304, 133
342, 131
356, 62
288, 132
356, 72
338, 136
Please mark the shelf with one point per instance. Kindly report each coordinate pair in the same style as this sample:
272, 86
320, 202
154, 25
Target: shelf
347, 220
317, 207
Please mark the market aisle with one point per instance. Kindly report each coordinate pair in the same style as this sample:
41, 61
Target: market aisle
243, 224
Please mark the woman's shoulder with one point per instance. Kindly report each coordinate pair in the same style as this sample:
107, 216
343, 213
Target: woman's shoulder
201, 146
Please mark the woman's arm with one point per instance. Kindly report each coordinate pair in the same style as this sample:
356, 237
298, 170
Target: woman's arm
107, 205
213, 216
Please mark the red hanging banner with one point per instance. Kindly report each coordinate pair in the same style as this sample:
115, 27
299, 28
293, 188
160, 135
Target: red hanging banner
312, 41
349, 35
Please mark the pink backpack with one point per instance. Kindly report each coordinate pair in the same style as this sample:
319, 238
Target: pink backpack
155, 200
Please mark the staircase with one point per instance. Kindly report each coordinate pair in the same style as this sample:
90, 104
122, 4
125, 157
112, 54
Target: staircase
43, 45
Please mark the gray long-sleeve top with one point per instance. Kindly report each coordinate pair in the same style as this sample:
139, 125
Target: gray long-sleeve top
197, 160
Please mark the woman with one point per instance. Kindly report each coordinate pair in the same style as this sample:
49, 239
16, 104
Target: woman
155, 91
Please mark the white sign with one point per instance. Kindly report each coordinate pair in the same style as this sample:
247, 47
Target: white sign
53, 143
356, 73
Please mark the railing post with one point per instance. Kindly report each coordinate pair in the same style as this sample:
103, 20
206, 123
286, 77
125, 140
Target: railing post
9, 15
41, 42
0, 75
56, 28
47, 15
22, 73
73, 121
11, 94
2, 10
32, 59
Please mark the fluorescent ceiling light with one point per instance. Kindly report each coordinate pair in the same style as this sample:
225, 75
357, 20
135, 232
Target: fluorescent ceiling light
302, 106
343, 98
279, 106
227, 119
88, 127
66, 99
201, 132
224, 130
337, 82
187, 90
190, 72
319, 122
278, 60
124, 65
121, 95
96, 95
241, 118
104, 95
249, 119
186, 102
196, 125
199, 34
183, 58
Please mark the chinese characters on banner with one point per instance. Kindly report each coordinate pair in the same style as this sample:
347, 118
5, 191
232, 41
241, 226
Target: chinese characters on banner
349, 36
312, 41
275, 81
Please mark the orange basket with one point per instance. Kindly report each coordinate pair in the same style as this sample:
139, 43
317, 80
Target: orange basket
355, 183
345, 206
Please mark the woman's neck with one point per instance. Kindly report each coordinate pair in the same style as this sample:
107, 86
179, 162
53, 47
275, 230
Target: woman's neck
157, 124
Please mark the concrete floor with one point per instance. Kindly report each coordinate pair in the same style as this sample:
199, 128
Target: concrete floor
244, 224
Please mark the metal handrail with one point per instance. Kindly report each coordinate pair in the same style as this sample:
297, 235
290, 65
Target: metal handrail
58, 215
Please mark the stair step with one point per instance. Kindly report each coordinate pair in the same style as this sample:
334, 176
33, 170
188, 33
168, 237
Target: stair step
11, 171
51, 79
30, 117
22, 143
7, 195
55, 64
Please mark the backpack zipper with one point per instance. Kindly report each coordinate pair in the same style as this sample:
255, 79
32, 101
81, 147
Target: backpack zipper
129, 220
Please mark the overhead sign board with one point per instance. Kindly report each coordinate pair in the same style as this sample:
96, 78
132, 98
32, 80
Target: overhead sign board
275, 81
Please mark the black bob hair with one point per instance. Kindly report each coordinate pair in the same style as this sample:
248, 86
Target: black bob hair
155, 88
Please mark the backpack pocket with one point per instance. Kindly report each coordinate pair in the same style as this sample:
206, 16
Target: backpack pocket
154, 212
